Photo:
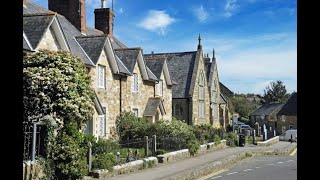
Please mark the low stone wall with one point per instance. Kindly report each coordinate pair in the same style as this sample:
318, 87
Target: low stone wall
173, 156
126, 168
32, 170
269, 141
184, 153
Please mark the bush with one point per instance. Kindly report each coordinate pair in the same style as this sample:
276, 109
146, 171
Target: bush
69, 157
160, 151
104, 161
216, 139
193, 146
104, 146
232, 139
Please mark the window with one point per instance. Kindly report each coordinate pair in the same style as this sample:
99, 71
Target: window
283, 118
101, 77
102, 125
135, 84
135, 111
201, 96
177, 111
160, 88
290, 126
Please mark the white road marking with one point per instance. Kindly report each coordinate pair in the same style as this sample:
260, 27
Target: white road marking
248, 170
212, 174
280, 162
289, 160
232, 173
269, 164
257, 167
216, 177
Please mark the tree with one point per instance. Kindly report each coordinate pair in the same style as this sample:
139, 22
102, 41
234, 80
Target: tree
275, 92
242, 105
56, 84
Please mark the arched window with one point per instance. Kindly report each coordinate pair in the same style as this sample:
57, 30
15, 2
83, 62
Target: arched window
201, 95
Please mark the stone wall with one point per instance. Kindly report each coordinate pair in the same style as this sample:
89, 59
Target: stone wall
184, 109
215, 96
268, 142
288, 120
127, 167
167, 98
49, 41
32, 171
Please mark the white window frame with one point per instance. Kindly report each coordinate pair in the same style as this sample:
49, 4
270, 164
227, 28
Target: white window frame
135, 83
102, 125
135, 111
101, 81
160, 88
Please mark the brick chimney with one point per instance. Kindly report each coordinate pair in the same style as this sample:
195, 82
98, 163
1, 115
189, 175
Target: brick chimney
73, 10
103, 19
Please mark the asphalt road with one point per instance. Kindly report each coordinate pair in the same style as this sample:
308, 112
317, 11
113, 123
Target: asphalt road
260, 167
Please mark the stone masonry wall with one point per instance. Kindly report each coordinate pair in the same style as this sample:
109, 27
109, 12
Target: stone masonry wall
289, 120
184, 109
167, 98
49, 41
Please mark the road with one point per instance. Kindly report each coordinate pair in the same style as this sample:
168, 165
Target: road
259, 167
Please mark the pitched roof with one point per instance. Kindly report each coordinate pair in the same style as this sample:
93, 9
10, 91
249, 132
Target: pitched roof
128, 56
290, 108
70, 32
181, 65
267, 109
152, 106
93, 32
151, 76
155, 65
117, 44
225, 91
222, 99
30, 8
92, 45
26, 44
35, 27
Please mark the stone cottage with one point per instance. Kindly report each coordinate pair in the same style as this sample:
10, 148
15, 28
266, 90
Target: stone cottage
287, 116
121, 79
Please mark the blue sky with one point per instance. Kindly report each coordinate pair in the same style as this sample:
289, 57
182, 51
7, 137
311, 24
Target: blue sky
255, 40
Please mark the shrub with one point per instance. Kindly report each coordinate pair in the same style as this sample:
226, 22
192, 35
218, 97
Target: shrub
160, 151
193, 146
232, 139
216, 139
104, 161
69, 157
104, 146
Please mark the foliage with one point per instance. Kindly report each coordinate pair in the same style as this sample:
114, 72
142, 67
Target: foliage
244, 120
232, 139
216, 139
275, 92
104, 146
160, 151
104, 161
193, 145
242, 105
130, 127
69, 157
56, 84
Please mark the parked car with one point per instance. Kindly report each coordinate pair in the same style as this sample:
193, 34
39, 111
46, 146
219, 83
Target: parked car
245, 127
238, 123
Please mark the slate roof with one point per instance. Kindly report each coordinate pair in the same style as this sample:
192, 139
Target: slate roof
93, 32
180, 65
267, 109
25, 44
151, 76
227, 93
30, 8
117, 44
70, 32
93, 46
128, 56
152, 106
155, 65
35, 27
222, 99
290, 108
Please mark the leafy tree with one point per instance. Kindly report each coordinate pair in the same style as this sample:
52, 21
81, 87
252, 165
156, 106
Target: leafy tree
242, 105
275, 92
56, 84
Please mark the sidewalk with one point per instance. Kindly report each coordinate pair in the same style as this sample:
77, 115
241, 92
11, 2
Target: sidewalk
167, 170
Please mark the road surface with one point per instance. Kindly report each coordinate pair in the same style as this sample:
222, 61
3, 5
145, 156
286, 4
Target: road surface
259, 167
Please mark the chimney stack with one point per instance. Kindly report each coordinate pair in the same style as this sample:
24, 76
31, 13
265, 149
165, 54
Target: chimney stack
73, 10
104, 19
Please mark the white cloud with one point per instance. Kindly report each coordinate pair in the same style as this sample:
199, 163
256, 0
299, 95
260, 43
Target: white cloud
121, 11
201, 14
157, 21
230, 8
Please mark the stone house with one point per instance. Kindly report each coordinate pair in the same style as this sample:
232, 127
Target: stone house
120, 77
266, 114
190, 95
287, 116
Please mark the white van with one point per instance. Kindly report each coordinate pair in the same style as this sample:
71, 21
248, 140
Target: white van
288, 133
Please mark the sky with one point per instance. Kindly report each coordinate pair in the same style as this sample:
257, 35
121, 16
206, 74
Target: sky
255, 41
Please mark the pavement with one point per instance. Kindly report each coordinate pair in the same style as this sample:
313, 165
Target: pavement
165, 171
260, 167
